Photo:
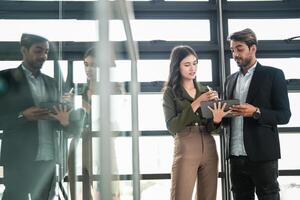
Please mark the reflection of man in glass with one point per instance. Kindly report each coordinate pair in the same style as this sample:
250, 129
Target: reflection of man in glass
28, 151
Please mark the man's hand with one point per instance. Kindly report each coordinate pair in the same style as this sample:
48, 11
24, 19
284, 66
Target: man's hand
35, 113
245, 110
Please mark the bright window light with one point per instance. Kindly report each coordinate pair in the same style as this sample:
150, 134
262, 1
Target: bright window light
48, 67
187, 0
86, 30
54, 30
267, 29
288, 65
151, 110
171, 30
254, 0
290, 142
120, 112
147, 71
294, 99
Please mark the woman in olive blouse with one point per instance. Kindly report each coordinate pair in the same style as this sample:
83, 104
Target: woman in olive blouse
195, 154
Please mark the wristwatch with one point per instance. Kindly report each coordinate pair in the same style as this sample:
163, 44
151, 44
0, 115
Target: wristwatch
256, 114
20, 115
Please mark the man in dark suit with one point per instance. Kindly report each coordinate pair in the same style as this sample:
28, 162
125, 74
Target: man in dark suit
29, 141
254, 141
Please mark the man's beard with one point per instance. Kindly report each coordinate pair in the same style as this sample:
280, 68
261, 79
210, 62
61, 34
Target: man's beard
244, 63
38, 65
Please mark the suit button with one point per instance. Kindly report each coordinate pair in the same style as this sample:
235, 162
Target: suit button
196, 124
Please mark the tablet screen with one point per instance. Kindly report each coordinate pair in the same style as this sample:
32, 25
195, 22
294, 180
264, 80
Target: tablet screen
206, 113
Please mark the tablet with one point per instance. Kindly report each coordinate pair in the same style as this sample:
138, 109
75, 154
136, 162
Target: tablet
49, 105
206, 113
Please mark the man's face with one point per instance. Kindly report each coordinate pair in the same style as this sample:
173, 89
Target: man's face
36, 55
242, 54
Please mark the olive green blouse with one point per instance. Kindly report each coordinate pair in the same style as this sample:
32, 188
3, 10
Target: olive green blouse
179, 113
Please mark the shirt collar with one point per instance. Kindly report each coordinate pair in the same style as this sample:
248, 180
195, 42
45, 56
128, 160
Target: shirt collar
251, 69
28, 73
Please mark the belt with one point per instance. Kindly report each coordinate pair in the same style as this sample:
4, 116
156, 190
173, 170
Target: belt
238, 157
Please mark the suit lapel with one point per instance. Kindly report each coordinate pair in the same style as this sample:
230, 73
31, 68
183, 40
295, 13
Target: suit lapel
255, 83
50, 88
231, 85
22, 85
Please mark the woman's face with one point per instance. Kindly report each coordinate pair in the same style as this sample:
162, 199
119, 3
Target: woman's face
90, 68
188, 67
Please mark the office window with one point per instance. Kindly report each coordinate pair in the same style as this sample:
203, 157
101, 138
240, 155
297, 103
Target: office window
121, 152
171, 30
294, 99
290, 66
267, 29
160, 189
48, 67
289, 187
253, 0
148, 70
289, 151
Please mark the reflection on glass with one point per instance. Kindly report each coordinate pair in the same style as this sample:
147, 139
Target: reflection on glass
288, 27
123, 155
120, 112
125, 189
160, 189
48, 67
186, 0
147, 71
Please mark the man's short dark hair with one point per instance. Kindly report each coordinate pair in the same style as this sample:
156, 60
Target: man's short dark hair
90, 52
246, 35
27, 40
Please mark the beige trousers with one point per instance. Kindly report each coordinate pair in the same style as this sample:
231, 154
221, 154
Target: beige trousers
195, 158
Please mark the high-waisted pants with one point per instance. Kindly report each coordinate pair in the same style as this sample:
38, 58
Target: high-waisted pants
195, 158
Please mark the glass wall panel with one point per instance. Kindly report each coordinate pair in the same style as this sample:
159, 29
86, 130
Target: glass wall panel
186, 0
267, 29
294, 99
120, 112
289, 151
48, 67
151, 115
288, 65
147, 71
122, 155
198, 30
156, 153
289, 187
64, 29
160, 189
254, 0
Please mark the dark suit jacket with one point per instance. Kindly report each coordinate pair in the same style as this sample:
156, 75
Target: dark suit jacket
268, 91
20, 136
